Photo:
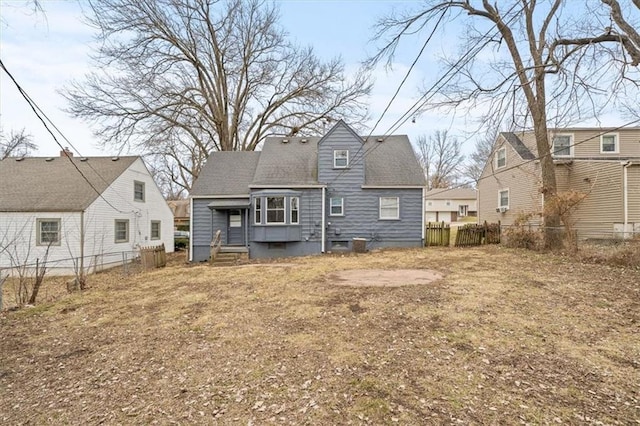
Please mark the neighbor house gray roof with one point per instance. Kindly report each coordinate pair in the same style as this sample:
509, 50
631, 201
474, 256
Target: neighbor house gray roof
226, 173
292, 163
391, 162
451, 194
53, 184
517, 144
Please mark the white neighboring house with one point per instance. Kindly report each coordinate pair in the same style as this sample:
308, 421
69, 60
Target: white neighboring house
449, 205
98, 209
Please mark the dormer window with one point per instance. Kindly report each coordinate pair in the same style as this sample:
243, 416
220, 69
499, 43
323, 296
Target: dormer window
562, 145
340, 159
609, 144
501, 158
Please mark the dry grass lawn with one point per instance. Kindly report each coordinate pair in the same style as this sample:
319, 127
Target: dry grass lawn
505, 337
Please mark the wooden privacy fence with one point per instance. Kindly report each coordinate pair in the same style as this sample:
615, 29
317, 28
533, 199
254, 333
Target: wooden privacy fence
437, 234
476, 235
153, 257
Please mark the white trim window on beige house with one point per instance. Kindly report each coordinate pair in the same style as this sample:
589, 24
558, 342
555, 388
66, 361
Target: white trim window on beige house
602, 164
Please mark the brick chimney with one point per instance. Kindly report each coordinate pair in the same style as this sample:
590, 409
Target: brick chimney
66, 152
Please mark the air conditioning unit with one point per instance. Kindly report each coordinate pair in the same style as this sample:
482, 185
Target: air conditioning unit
503, 209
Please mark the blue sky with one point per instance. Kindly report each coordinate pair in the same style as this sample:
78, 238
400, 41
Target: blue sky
45, 51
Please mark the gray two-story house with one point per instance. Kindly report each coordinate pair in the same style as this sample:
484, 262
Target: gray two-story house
308, 195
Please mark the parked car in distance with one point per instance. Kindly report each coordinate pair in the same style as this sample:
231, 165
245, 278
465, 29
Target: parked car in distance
180, 234
180, 240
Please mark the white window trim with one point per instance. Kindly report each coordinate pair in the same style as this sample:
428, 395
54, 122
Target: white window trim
500, 191
571, 145
617, 147
331, 206
159, 237
335, 152
115, 231
144, 195
284, 208
397, 217
297, 222
257, 200
39, 222
502, 149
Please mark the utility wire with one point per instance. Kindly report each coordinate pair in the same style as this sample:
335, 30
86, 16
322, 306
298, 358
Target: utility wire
35, 109
441, 82
469, 54
537, 158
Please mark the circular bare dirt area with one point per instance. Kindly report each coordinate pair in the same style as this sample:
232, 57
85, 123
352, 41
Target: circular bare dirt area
384, 277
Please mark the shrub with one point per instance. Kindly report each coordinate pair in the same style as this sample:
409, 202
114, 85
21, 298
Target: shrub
625, 254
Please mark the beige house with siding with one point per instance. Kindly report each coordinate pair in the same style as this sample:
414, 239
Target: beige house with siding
450, 205
603, 163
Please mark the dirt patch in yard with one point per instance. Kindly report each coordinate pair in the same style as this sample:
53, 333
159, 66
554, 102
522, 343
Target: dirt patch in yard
384, 277
504, 337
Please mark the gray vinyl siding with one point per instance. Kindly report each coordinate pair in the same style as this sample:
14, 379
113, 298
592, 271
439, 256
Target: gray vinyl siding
310, 228
205, 223
341, 138
633, 180
362, 218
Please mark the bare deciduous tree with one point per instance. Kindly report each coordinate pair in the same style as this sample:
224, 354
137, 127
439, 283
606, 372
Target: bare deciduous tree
441, 158
480, 155
542, 62
181, 78
16, 144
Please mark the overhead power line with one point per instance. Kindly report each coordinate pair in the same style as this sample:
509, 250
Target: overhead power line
537, 158
35, 108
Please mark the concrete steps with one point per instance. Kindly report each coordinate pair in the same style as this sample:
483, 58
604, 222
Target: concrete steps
229, 257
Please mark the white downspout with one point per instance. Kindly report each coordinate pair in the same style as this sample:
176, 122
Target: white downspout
424, 194
191, 229
625, 195
323, 219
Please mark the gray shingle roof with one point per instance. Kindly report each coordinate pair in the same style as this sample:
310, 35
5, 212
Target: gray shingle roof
392, 162
388, 163
35, 184
226, 173
291, 163
517, 144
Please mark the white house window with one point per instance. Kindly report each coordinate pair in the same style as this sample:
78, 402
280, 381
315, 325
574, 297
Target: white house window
122, 230
501, 158
389, 208
275, 209
295, 218
563, 145
257, 211
138, 191
609, 144
340, 158
336, 206
463, 210
48, 232
503, 198
155, 229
